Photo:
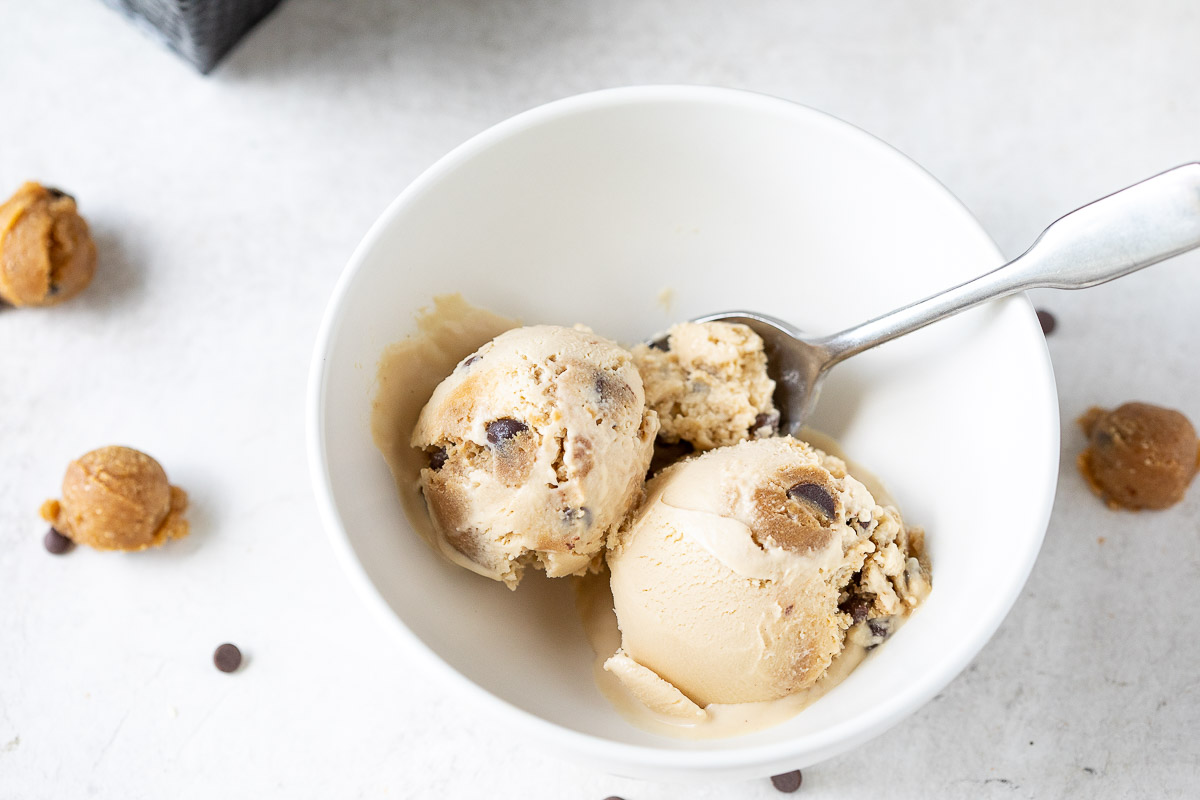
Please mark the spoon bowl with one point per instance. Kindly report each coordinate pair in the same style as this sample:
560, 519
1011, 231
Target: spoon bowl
1114, 236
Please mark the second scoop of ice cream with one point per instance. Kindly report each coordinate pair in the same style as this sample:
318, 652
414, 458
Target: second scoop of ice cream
537, 445
744, 570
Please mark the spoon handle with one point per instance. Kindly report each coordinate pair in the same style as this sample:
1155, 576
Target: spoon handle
1146, 223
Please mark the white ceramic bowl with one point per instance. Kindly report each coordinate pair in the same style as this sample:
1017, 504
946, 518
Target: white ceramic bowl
586, 209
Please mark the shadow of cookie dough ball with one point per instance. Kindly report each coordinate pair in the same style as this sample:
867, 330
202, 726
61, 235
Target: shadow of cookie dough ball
46, 253
117, 498
1139, 455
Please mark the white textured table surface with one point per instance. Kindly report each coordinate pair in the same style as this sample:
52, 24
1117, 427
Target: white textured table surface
224, 209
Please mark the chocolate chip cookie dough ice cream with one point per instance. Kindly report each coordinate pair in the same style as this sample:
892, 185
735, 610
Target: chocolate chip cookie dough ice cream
708, 384
537, 446
117, 498
748, 569
46, 252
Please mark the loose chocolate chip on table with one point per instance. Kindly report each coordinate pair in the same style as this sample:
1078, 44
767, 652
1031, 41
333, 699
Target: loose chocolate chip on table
227, 657
56, 543
815, 495
437, 459
788, 782
1049, 323
501, 430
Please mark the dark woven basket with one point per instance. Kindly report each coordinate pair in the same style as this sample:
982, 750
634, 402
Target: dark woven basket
202, 31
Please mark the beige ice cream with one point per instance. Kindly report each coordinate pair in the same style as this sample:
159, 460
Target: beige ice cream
537, 445
709, 385
745, 572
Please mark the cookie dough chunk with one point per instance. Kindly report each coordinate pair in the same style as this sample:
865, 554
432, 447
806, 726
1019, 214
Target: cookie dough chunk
1139, 455
117, 498
46, 253
537, 446
710, 386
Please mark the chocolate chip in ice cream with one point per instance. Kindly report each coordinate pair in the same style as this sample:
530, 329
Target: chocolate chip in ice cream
788, 782
227, 657
765, 425
612, 390
56, 543
437, 459
815, 495
857, 606
501, 430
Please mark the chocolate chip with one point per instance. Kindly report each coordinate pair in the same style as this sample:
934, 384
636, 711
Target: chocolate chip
227, 657
501, 430
56, 543
815, 495
437, 459
57, 193
879, 628
765, 425
857, 606
614, 797
611, 389
788, 782
1048, 322
470, 360
577, 516
661, 343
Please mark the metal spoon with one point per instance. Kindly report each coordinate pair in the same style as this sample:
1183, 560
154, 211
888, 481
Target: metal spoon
1146, 223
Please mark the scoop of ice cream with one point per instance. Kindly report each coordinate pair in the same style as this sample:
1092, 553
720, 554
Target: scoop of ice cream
117, 498
46, 253
1139, 455
537, 444
709, 386
743, 570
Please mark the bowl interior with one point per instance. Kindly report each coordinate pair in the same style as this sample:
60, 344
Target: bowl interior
628, 211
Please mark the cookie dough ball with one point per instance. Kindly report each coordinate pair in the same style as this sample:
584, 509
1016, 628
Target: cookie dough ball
46, 253
1139, 455
117, 498
709, 386
537, 446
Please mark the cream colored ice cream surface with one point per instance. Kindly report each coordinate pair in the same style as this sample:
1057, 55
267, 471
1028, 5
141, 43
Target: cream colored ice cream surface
709, 385
745, 573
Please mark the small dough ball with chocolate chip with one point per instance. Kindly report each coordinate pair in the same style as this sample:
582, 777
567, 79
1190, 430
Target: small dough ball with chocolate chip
537, 446
1139, 455
46, 253
708, 383
117, 498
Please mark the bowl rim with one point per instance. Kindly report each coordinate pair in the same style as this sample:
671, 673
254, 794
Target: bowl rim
643, 759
